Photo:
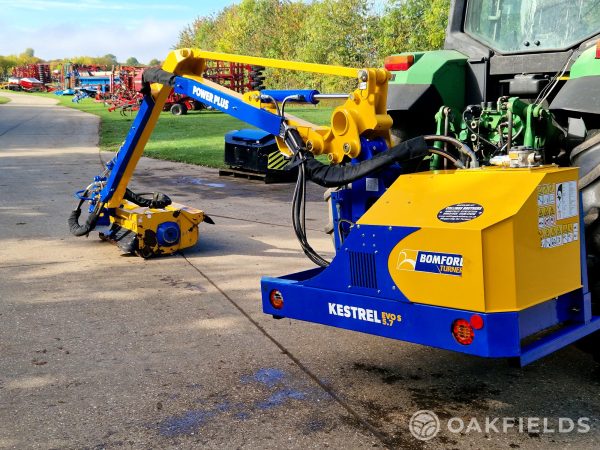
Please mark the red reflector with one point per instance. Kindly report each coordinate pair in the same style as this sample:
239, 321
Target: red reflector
463, 332
476, 321
276, 299
598, 50
399, 62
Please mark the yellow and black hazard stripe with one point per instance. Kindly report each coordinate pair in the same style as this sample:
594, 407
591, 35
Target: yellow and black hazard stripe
276, 161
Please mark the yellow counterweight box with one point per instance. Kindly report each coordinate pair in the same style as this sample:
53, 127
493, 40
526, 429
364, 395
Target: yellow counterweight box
487, 240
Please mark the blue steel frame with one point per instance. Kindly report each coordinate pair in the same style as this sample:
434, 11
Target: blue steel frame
313, 296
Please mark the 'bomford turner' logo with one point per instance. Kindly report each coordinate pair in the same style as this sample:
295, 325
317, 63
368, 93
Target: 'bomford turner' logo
431, 262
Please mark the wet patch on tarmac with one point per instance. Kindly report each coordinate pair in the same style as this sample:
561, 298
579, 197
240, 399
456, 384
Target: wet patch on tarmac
197, 182
182, 284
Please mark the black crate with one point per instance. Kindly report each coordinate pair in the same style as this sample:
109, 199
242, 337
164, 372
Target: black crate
256, 152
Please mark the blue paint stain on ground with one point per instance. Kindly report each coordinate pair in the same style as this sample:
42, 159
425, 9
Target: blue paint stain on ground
268, 377
242, 416
279, 397
282, 390
187, 423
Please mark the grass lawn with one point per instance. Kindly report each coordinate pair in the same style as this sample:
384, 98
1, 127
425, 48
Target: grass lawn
4, 100
196, 138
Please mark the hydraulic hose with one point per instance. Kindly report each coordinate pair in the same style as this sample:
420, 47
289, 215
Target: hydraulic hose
461, 147
457, 162
335, 175
83, 230
158, 200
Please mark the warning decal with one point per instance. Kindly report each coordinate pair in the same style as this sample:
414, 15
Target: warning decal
558, 216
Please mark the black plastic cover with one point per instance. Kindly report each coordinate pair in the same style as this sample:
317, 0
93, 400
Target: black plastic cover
579, 95
156, 75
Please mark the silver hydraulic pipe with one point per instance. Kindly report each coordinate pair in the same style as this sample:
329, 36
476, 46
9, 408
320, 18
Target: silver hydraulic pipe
330, 96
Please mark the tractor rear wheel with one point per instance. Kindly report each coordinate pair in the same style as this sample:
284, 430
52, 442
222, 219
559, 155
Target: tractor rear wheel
178, 109
591, 344
587, 156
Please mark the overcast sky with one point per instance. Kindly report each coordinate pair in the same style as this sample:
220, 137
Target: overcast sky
144, 29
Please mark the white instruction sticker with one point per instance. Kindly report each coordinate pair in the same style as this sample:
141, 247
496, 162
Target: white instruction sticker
372, 184
566, 200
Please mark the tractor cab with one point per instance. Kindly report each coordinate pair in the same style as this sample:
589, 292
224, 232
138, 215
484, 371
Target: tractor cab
529, 26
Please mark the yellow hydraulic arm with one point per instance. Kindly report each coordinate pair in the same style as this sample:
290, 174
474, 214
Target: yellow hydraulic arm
362, 114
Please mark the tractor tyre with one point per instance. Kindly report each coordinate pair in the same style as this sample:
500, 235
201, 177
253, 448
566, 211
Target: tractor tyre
586, 155
178, 109
591, 344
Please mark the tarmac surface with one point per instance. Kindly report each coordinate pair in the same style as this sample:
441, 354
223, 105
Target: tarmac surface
100, 350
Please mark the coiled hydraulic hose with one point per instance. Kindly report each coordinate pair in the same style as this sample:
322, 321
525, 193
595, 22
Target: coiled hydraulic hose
158, 200
83, 230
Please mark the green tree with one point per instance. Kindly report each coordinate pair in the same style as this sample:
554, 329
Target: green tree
409, 25
132, 61
155, 62
204, 33
340, 32
27, 57
106, 60
6, 65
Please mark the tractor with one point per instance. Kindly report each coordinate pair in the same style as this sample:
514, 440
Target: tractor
520, 75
